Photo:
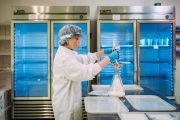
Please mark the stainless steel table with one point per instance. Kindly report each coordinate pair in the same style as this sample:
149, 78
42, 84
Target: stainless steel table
146, 91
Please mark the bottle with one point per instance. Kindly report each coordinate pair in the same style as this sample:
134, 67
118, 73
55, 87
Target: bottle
166, 41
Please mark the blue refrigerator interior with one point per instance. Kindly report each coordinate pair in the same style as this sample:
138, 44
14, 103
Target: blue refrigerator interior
30, 77
123, 35
82, 49
156, 56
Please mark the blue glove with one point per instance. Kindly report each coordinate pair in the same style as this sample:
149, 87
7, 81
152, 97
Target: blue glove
108, 51
114, 56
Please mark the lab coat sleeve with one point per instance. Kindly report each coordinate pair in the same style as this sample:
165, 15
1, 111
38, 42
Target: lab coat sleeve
89, 58
76, 71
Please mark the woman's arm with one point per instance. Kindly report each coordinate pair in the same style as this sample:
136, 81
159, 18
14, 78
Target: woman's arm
99, 53
104, 62
91, 57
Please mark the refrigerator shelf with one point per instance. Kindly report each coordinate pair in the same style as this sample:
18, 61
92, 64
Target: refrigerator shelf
29, 47
3, 54
153, 77
126, 62
122, 76
169, 62
110, 46
31, 62
30, 77
146, 46
5, 69
29, 83
85, 47
5, 39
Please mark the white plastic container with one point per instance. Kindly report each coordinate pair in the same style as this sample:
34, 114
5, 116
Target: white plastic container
103, 108
104, 105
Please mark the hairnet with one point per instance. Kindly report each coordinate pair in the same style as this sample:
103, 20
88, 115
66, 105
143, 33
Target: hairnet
67, 32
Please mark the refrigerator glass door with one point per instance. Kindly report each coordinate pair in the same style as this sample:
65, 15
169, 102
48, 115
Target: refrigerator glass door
156, 56
31, 58
84, 42
121, 33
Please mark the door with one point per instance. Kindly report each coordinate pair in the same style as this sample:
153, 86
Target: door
122, 33
84, 44
30, 60
156, 59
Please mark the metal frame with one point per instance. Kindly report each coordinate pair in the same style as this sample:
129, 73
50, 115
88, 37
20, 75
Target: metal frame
52, 40
135, 44
12, 60
173, 45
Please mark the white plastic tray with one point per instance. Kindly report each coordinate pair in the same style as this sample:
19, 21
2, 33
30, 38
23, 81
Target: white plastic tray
175, 115
104, 105
149, 103
102, 90
149, 116
160, 116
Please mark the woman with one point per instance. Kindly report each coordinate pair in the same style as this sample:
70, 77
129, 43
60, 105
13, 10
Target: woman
69, 69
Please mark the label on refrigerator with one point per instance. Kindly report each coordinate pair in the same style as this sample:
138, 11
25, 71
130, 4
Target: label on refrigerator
116, 17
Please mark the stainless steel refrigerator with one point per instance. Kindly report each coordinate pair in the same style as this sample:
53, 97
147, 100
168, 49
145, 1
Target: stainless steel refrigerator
146, 35
34, 44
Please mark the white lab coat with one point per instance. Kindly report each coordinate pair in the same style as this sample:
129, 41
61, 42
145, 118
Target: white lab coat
69, 70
